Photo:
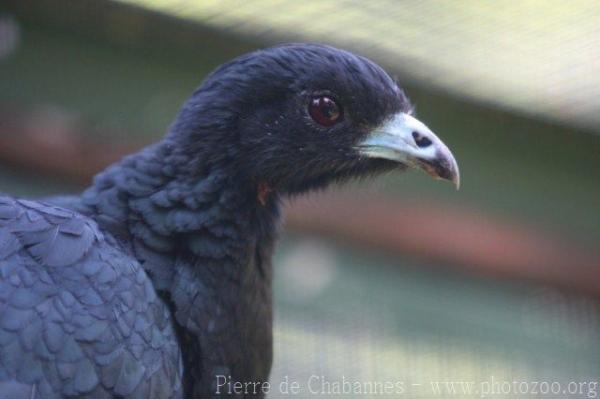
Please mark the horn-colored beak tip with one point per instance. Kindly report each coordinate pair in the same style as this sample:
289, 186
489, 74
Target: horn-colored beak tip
456, 180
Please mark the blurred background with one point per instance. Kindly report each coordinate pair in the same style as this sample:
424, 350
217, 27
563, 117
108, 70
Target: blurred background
400, 279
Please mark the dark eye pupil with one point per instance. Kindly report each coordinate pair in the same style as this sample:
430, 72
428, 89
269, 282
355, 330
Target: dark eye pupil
328, 108
324, 110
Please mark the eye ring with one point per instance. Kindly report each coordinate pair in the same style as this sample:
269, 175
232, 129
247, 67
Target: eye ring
324, 110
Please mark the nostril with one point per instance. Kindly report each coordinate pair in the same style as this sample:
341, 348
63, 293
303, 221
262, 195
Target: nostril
421, 140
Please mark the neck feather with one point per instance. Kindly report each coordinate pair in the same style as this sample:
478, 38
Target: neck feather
205, 240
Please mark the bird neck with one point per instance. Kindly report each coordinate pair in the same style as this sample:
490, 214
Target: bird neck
205, 239
172, 196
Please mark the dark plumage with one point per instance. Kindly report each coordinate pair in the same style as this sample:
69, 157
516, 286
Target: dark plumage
158, 278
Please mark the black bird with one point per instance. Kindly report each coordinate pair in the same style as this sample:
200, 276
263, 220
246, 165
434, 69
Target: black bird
156, 281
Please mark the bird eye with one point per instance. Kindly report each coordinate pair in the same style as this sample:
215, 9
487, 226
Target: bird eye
324, 110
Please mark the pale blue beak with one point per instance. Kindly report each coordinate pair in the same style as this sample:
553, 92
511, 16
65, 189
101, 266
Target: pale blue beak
407, 140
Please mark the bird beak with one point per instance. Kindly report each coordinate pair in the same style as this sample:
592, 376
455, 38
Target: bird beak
405, 139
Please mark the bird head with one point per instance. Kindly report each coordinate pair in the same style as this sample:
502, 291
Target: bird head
300, 116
